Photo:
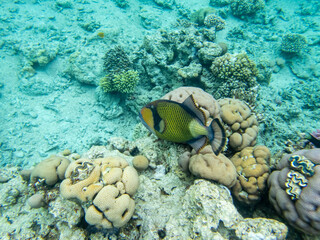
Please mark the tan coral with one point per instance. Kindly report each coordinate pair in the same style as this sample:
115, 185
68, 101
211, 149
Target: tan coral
252, 165
104, 186
209, 166
204, 100
242, 123
51, 169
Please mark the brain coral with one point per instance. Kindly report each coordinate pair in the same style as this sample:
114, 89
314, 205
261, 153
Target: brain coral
295, 189
252, 165
207, 165
204, 100
104, 187
242, 123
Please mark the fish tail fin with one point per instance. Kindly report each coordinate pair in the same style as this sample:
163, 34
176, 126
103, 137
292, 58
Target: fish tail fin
217, 136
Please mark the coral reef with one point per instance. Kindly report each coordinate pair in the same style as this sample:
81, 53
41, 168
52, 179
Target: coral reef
206, 164
242, 8
200, 15
294, 189
293, 43
104, 187
252, 165
242, 124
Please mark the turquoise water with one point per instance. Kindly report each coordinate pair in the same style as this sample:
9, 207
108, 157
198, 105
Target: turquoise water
54, 53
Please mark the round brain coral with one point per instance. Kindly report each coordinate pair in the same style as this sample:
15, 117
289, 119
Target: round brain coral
104, 187
242, 123
252, 165
295, 190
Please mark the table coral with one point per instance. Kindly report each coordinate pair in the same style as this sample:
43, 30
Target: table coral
104, 187
207, 165
294, 189
252, 165
241, 123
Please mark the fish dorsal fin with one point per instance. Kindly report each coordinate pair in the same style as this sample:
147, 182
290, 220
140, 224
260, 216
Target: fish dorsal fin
193, 109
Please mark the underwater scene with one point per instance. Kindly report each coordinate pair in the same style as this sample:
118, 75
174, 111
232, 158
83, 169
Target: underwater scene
160, 119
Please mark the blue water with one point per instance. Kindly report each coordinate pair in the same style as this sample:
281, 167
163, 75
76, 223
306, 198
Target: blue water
52, 59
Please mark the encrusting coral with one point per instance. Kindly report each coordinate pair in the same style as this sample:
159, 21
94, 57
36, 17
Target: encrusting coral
104, 187
294, 189
242, 124
252, 165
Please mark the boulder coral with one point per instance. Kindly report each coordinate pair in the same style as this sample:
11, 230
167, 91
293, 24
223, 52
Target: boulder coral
104, 187
51, 169
295, 192
252, 164
207, 165
242, 124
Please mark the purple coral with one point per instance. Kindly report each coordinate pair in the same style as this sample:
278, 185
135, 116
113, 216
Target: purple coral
316, 134
315, 138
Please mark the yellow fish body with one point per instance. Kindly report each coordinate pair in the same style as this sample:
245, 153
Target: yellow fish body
183, 123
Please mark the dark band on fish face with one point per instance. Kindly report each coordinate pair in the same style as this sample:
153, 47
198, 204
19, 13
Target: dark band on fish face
159, 124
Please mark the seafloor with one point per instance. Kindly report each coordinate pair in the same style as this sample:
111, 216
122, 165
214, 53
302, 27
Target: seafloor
53, 56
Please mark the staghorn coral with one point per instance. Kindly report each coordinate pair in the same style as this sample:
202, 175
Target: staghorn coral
252, 165
104, 187
294, 189
242, 124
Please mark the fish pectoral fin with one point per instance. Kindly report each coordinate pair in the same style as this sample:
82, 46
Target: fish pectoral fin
199, 143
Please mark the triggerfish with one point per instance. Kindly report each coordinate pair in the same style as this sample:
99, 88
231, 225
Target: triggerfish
183, 123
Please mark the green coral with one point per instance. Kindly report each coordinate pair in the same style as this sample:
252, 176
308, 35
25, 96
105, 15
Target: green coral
246, 7
201, 14
123, 82
293, 43
237, 67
